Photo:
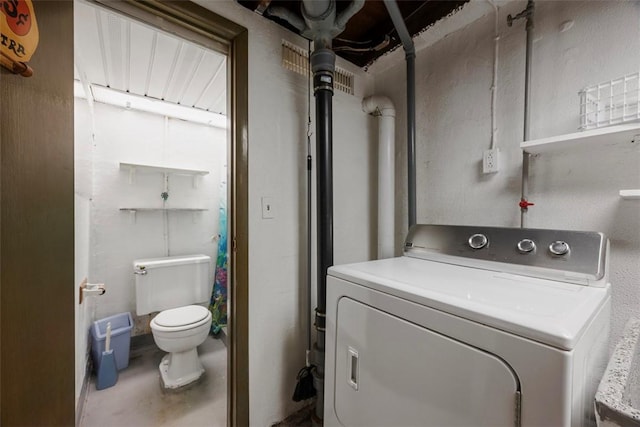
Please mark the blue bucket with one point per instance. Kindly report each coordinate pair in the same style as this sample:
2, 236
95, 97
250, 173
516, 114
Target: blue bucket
121, 325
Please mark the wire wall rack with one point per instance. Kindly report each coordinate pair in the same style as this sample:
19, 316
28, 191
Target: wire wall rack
610, 103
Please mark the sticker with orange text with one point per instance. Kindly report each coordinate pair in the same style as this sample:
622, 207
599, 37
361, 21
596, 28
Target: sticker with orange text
18, 30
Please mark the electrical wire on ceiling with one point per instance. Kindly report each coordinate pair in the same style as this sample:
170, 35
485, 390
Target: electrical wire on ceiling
366, 46
354, 42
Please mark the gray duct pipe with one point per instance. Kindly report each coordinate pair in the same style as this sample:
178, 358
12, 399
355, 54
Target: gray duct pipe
323, 67
410, 56
318, 11
353, 8
318, 15
322, 26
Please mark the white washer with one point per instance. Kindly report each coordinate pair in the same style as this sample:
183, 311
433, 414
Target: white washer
473, 326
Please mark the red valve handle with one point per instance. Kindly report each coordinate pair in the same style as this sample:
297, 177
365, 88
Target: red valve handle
524, 204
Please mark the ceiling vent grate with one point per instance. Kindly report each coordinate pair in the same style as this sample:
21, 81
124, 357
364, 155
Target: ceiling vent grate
296, 59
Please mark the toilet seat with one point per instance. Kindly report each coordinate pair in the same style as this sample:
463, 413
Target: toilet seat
181, 318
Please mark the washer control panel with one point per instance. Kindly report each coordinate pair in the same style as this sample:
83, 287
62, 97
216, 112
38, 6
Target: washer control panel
571, 256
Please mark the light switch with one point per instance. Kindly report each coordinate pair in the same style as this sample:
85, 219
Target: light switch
268, 208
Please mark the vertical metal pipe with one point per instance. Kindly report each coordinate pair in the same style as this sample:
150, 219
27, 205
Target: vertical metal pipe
410, 56
527, 112
309, 215
324, 189
525, 188
527, 69
383, 108
411, 137
309, 162
323, 66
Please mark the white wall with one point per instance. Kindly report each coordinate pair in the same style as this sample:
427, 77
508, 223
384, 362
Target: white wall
575, 190
82, 198
106, 239
277, 153
117, 239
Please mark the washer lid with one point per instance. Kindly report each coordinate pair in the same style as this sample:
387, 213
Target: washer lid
181, 316
551, 312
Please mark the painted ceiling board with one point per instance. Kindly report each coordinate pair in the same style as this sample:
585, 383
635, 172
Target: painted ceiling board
215, 94
201, 78
115, 46
216, 86
189, 55
86, 38
220, 104
190, 77
129, 56
213, 88
163, 64
140, 57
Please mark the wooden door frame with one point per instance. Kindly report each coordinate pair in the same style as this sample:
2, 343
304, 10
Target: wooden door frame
37, 231
193, 22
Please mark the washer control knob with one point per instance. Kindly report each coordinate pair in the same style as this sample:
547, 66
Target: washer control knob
478, 241
526, 245
559, 248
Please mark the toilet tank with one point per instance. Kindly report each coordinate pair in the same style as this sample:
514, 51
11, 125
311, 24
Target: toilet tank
163, 283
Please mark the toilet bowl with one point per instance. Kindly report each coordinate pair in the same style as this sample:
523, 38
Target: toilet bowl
179, 331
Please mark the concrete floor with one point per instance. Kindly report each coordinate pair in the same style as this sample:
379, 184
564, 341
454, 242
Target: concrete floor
302, 418
138, 400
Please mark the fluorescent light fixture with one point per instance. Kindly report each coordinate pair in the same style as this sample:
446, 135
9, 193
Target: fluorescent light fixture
155, 106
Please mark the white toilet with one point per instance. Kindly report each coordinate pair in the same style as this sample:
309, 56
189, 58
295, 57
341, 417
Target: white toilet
174, 284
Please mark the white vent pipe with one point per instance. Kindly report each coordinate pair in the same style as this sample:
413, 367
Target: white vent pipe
382, 107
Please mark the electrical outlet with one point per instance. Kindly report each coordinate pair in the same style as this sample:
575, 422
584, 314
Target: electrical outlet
490, 161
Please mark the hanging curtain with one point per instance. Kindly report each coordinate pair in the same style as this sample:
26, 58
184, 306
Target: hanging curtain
218, 303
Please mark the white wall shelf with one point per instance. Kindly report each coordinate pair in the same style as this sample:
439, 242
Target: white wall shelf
134, 210
630, 194
142, 168
589, 138
161, 169
164, 209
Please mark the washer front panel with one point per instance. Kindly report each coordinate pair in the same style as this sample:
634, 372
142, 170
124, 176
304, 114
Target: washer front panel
390, 372
544, 372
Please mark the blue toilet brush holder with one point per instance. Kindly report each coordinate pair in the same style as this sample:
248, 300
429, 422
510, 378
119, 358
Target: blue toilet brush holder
108, 372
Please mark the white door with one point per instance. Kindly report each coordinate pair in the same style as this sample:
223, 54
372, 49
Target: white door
390, 372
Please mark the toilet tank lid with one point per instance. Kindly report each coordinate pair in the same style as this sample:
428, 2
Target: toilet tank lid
146, 264
181, 316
